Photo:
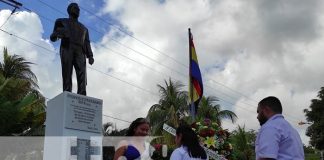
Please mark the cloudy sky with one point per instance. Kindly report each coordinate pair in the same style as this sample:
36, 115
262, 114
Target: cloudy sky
247, 50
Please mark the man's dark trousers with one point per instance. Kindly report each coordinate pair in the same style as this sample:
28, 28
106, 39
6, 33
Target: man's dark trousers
72, 56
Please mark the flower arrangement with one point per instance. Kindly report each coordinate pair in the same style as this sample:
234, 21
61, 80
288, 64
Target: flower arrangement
214, 138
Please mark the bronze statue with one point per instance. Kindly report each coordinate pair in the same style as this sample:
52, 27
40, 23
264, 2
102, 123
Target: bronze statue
75, 47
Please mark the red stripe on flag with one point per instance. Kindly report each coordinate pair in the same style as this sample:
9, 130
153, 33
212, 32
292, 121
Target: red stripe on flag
197, 87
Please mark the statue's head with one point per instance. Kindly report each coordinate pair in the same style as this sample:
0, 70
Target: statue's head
73, 10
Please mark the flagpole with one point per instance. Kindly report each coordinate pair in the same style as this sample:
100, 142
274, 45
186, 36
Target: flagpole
192, 107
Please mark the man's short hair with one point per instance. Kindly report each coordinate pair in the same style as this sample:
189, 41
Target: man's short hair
69, 8
273, 103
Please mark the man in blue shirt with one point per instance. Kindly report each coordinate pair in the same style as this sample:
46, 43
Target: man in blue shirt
276, 139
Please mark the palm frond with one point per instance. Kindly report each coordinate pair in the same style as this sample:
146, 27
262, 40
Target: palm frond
226, 114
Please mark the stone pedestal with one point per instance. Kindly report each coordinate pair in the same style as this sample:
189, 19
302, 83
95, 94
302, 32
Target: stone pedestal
73, 128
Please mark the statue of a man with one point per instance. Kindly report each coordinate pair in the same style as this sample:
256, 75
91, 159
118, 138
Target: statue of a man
75, 47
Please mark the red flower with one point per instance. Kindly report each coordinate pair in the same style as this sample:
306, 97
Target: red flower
203, 133
157, 146
211, 133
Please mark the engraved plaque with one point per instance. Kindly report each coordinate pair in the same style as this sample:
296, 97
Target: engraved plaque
83, 113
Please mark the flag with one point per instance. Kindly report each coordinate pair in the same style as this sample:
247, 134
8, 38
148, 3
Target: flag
195, 80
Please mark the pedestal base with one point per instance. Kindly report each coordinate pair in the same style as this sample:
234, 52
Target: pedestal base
73, 128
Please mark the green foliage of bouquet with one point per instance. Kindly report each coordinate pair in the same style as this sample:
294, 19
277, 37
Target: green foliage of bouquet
213, 137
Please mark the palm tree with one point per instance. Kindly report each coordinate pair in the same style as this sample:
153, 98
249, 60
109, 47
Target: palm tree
22, 106
243, 142
17, 67
209, 109
12, 92
36, 115
171, 106
19, 116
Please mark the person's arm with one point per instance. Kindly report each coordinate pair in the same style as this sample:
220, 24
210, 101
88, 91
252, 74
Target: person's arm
122, 146
268, 146
120, 152
176, 155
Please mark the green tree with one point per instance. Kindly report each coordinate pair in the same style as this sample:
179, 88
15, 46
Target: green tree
314, 115
171, 106
14, 66
22, 107
243, 143
208, 108
20, 116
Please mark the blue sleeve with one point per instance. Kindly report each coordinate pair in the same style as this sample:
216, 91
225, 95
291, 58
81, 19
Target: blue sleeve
268, 143
176, 155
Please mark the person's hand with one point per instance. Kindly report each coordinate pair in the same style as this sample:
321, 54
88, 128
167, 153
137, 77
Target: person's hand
91, 60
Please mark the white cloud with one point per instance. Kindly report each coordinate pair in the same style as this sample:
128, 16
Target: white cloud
259, 48
26, 28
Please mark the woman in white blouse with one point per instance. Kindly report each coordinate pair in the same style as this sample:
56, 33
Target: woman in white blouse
189, 147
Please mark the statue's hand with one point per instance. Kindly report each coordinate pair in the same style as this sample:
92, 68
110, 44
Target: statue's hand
91, 60
53, 37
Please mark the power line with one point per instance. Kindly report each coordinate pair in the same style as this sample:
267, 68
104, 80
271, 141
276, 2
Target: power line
116, 118
140, 53
12, 12
250, 106
125, 57
128, 57
105, 115
157, 50
132, 50
293, 119
5, 21
24, 39
89, 67
120, 54
12, 3
53, 8
124, 33
133, 60
113, 51
121, 30
235, 91
114, 77
104, 72
148, 91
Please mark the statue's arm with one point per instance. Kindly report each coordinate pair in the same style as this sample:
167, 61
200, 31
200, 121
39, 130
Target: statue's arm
58, 31
54, 35
87, 48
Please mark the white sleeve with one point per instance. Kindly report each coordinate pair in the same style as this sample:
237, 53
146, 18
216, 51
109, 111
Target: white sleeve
176, 155
268, 143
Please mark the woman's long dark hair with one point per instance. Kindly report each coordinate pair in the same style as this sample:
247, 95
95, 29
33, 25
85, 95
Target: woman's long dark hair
134, 125
189, 139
